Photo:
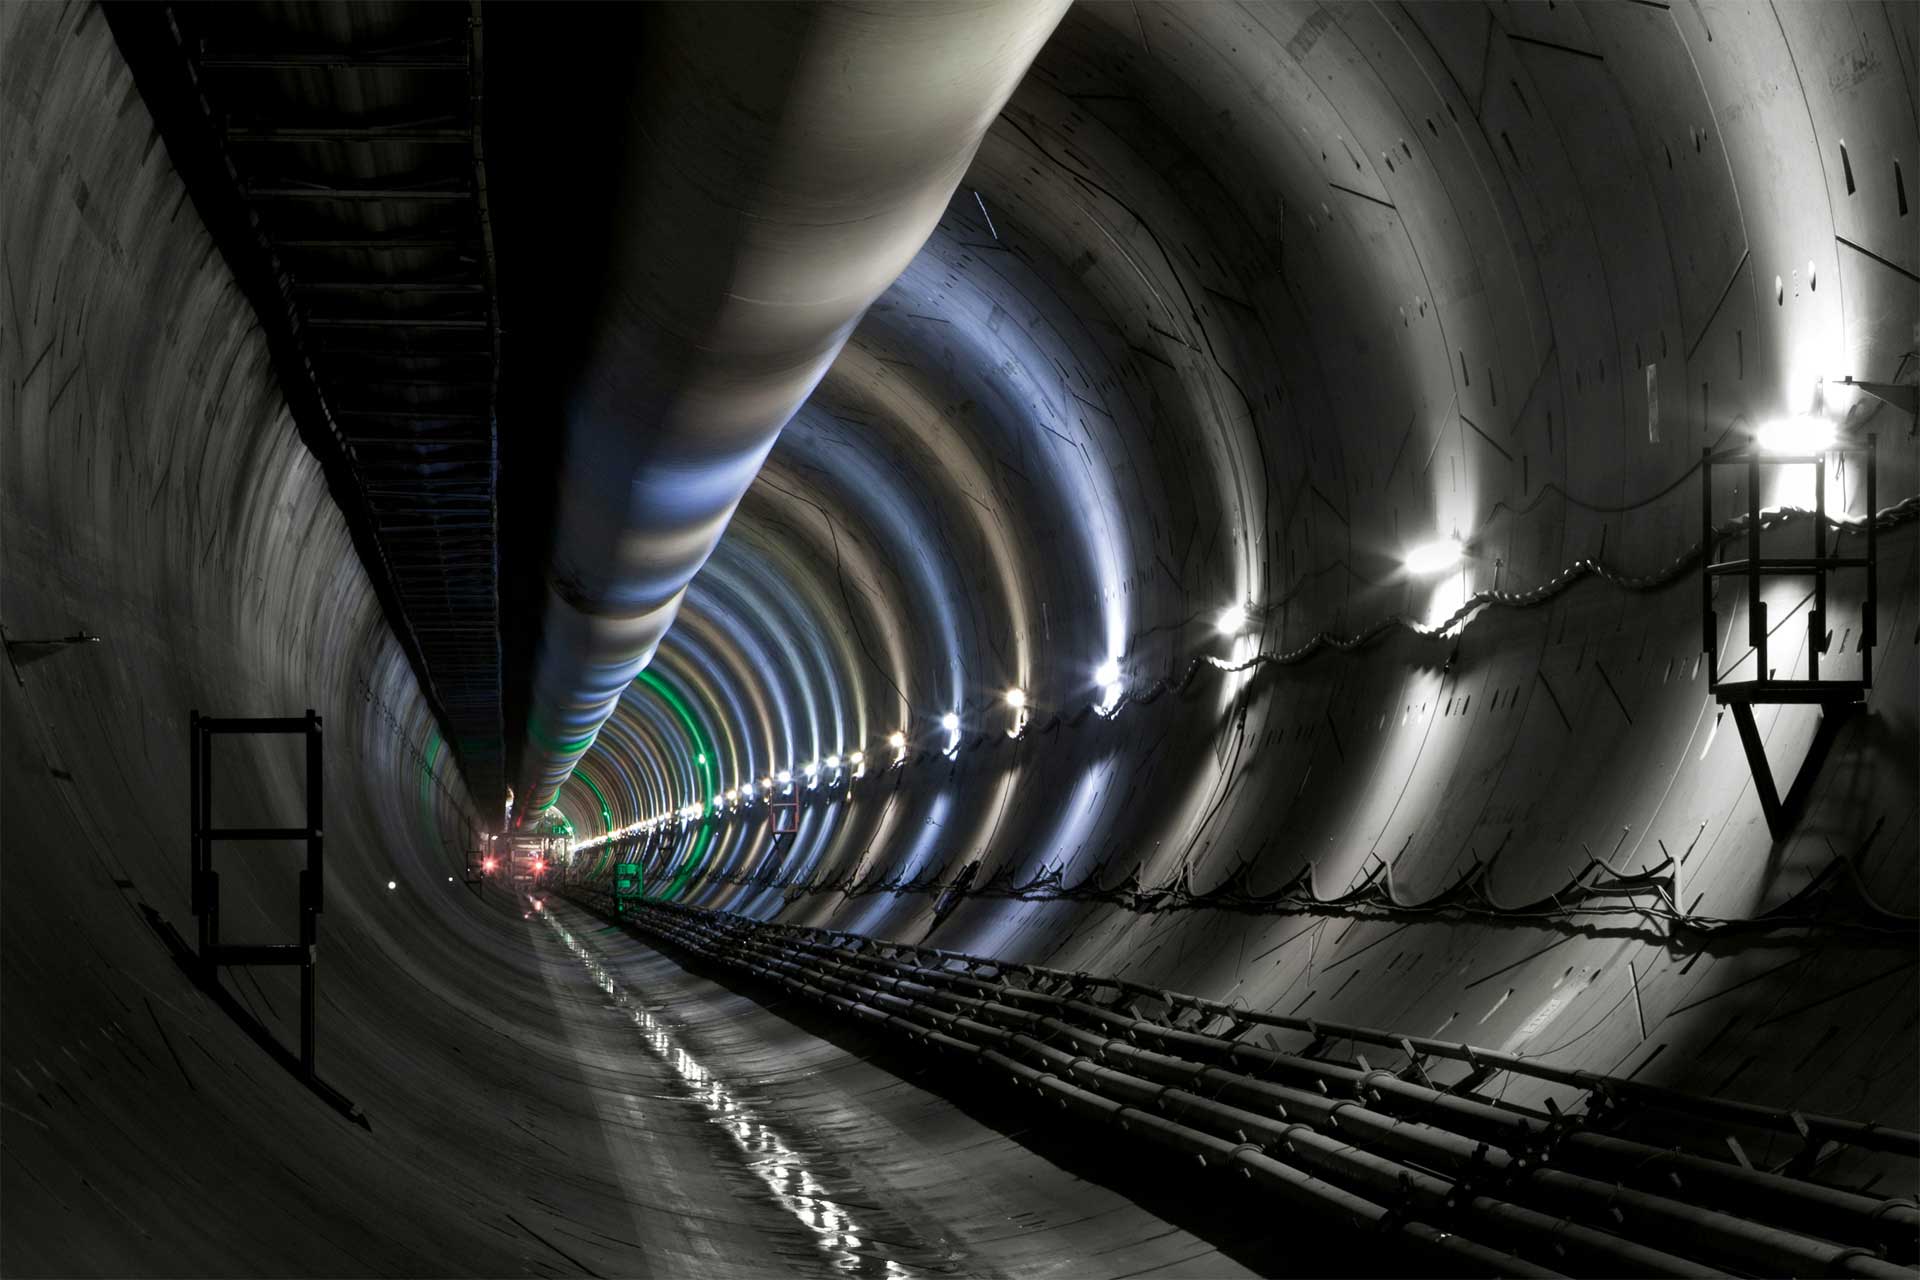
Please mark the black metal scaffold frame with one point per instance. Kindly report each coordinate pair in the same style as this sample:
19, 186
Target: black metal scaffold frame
1837, 699
212, 952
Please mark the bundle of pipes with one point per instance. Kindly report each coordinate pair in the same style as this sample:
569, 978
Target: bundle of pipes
1491, 1187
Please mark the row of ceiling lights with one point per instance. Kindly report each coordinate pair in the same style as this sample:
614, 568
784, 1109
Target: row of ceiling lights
1809, 434
1231, 622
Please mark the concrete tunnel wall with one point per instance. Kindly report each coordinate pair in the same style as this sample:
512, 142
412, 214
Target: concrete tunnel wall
1236, 304
153, 490
155, 493
1212, 329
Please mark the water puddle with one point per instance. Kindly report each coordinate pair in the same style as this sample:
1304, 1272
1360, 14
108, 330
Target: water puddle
793, 1180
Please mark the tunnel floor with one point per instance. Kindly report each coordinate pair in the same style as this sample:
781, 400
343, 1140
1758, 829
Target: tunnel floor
746, 1144
551, 1096
640, 1119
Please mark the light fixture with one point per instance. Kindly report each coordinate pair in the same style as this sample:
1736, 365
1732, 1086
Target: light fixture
950, 722
897, 740
733, 797
1232, 620
391, 886
833, 762
1107, 677
1017, 699
1795, 437
858, 757
1433, 557
766, 784
786, 776
701, 758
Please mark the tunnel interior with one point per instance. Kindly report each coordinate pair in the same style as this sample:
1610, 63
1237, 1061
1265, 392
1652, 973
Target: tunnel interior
1217, 508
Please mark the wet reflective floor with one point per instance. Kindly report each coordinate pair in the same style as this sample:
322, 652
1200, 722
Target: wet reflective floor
772, 1151
865, 1240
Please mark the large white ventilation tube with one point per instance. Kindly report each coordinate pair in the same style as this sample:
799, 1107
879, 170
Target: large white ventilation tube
784, 164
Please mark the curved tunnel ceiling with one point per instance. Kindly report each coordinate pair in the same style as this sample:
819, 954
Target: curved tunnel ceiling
1235, 305
773, 168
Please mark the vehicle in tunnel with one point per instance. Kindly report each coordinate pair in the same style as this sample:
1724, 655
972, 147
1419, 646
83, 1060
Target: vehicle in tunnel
964, 638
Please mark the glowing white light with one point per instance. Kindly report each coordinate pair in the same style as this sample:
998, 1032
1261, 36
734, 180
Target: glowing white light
766, 784
950, 722
701, 757
811, 767
1107, 672
733, 797
449, 879
858, 757
392, 885
833, 762
1017, 698
786, 776
1232, 620
897, 740
1795, 436
1434, 557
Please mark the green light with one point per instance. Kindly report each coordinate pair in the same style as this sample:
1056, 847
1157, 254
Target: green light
606, 814
704, 774
673, 700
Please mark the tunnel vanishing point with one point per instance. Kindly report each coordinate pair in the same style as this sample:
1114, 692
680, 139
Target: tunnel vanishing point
966, 638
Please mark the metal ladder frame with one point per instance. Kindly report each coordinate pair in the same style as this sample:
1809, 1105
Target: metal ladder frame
1837, 699
205, 881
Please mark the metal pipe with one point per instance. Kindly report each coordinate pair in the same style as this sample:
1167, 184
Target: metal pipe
1752, 1245
795, 158
1369, 1174
1873, 1137
1824, 1210
1535, 1160
1298, 1185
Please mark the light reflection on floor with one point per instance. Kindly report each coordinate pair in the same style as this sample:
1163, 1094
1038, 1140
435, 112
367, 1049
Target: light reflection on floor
794, 1187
